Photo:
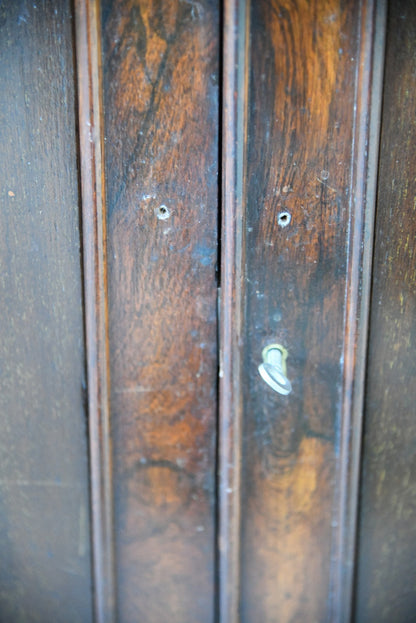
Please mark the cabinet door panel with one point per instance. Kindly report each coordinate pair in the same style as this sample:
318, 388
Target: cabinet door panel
160, 97
307, 94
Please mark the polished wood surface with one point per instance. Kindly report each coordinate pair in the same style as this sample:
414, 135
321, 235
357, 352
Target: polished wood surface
160, 62
309, 98
387, 552
44, 505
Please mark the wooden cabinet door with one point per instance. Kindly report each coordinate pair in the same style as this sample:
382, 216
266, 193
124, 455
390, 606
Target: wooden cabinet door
186, 184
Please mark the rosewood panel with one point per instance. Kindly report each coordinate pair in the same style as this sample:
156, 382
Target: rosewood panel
386, 589
160, 63
44, 505
311, 65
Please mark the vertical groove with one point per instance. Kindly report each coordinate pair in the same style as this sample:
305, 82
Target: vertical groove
235, 84
95, 295
362, 213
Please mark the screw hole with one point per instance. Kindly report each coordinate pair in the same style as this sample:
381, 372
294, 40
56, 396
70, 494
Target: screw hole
162, 213
284, 219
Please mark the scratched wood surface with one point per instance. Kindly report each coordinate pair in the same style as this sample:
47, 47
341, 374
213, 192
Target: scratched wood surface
160, 63
386, 579
301, 210
44, 517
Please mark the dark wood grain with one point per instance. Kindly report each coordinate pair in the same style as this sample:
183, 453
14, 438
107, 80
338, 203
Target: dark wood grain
234, 123
387, 553
44, 512
309, 106
88, 53
160, 64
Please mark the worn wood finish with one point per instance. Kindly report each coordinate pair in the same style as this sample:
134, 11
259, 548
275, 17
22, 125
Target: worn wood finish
311, 64
387, 562
160, 64
44, 514
88, 53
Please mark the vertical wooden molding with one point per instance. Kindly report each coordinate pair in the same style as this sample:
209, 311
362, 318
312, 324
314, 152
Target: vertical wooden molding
386, 562
96, 317
234, 121
363, 188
